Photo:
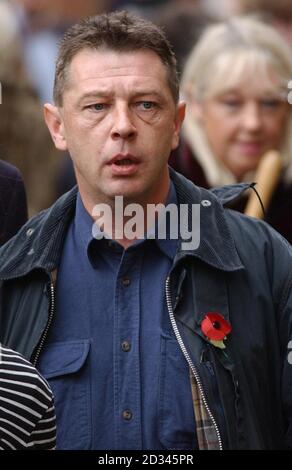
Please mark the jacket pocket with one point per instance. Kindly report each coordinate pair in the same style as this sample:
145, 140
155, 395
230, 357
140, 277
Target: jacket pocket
64, 366
177, 428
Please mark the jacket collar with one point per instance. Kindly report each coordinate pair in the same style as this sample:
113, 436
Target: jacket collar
39, 243
217, 247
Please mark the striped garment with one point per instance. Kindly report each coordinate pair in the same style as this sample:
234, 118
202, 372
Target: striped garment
27, 414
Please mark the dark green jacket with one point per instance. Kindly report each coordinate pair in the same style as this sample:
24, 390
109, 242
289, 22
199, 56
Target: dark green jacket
242, 269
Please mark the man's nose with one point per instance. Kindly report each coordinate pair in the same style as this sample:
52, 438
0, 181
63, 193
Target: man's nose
251, 117
123, 125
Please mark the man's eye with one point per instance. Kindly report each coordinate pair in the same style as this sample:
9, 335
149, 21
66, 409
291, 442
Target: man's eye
146, 105
96, 107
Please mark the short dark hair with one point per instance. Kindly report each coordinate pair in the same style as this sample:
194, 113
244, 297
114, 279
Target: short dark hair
118, 31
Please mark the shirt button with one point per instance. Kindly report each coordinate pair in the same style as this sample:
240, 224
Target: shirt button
126, 346
127, 415
126, 281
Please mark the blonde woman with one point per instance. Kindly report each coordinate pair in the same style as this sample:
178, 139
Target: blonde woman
235, 85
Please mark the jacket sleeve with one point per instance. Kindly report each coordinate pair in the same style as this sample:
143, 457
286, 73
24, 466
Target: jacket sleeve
269, 256
282, 282
285, 331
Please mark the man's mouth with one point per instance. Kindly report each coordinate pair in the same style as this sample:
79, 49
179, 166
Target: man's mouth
124, 161
124, 164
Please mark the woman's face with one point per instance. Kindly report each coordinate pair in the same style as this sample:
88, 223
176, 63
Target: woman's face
243, 122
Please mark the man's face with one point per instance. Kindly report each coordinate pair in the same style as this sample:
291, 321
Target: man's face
119, 123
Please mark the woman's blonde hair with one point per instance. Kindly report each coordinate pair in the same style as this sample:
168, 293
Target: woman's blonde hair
223, 54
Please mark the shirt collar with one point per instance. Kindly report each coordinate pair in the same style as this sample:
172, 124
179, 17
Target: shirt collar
83, 224
168, 246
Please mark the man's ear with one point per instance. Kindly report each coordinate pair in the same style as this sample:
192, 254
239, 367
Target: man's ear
55, 125
180, 115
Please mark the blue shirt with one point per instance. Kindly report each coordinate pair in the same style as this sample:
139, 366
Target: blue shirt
118, 375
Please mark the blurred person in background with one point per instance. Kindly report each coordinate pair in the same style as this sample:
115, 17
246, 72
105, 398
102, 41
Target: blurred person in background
25, 143
183, 24
235, 85
24, 139
221, 10
42, 24
276, 12
149, 9
13, 208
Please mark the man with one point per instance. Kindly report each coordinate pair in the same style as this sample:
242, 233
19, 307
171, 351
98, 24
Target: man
27, 415
13, 207
149, 342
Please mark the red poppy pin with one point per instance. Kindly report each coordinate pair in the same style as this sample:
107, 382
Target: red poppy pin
215, 328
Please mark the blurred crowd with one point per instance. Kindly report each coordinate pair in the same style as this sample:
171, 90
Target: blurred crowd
29, 35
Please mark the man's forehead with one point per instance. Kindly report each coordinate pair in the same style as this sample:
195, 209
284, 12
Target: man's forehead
105, 63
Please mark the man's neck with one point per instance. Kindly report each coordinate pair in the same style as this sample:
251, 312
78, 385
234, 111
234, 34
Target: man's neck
125, 220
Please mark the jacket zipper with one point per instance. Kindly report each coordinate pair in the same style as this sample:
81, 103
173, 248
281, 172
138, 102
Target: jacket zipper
50, 318
189, 360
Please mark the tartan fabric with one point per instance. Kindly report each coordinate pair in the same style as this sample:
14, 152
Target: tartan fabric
206, 432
